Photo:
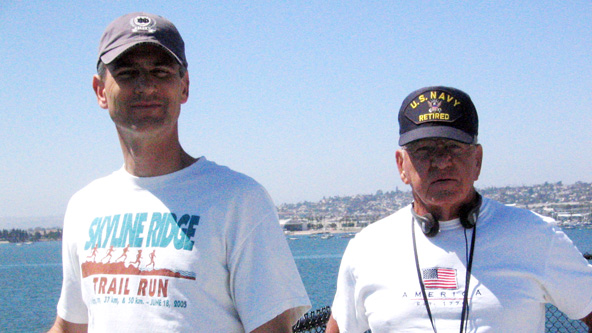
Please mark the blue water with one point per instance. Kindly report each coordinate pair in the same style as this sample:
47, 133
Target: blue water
30, 282
31, 276
318, 263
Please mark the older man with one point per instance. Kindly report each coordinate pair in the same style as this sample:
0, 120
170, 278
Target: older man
209, 253
453, 261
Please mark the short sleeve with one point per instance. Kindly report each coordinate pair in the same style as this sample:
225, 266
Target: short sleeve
264, 278
566, 263
347, 309
71, 306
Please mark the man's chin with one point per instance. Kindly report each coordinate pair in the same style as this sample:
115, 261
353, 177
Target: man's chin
147, 124
443, 197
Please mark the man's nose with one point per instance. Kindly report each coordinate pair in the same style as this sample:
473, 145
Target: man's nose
441, 158
145, 84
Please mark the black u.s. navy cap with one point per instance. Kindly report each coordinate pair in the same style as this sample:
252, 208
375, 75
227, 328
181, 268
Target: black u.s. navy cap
438, 112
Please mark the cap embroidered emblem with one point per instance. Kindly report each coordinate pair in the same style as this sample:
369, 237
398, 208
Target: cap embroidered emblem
143, 23
435, 105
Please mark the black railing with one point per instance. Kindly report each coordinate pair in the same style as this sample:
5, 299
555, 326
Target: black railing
316, 321
313, 322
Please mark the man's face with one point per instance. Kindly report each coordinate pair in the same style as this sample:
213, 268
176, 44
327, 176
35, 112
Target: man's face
441, 172
142, 89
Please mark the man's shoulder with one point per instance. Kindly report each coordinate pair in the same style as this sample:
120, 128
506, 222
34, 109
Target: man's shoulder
381, 236
212, 168
224, 177
500, 212
99, 183
389, 223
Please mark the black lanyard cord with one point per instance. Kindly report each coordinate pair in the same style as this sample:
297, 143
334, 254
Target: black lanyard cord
420, 277
465, 310
465, 307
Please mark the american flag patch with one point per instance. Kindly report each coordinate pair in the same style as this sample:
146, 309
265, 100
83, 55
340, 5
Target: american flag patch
440, 278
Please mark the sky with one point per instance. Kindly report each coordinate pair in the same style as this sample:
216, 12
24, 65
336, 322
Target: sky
303, 96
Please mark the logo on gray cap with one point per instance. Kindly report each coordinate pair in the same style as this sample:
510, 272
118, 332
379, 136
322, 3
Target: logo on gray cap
143, 23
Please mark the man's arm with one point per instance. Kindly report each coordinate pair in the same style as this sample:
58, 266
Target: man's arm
278, 324
588, 321
332, 326
65, 326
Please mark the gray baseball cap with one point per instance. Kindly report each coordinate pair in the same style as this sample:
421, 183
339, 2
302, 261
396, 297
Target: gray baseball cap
138, 28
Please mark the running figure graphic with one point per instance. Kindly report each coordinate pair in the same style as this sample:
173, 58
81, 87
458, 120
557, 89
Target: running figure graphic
124, 254
138, 257
152, 256
109, 254
93, 255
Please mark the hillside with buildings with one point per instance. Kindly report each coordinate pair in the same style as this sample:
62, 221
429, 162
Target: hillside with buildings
570, 205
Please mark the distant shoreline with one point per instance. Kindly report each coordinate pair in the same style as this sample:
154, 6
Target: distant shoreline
2, 242
321, 232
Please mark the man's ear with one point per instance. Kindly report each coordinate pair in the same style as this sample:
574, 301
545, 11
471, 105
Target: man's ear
99, 89
399, 155
185, 92
478, 161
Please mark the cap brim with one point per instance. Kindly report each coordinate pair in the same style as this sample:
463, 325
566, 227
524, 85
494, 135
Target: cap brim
114, 53
444, 132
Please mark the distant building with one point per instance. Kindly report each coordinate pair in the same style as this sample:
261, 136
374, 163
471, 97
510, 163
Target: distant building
293, 225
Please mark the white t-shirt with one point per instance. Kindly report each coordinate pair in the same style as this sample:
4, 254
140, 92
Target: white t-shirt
521, 262
197, 250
